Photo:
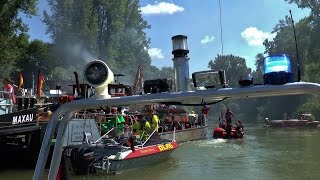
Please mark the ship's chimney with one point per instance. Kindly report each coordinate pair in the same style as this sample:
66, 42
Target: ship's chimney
180, 63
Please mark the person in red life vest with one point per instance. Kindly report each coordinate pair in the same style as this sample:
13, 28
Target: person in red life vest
228, 116
9, 88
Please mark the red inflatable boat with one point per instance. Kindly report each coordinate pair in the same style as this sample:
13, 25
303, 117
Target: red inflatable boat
221, 133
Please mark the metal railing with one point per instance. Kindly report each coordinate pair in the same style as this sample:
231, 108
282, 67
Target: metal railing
104, 135
66, 111
5, 107
142, 145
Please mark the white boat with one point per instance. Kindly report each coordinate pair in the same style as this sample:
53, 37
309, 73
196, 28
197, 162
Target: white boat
188, 127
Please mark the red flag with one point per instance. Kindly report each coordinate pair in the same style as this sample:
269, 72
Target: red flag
40, 84
20, 81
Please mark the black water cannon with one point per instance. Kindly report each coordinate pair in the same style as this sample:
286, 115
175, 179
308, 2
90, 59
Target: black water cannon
209, 79
98, 75
157, 86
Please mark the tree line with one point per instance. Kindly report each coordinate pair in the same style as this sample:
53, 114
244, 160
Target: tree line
80, 31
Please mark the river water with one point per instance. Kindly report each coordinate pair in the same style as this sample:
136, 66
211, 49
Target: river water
263, 154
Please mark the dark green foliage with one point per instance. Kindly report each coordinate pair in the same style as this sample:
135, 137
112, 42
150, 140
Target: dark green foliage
112, 31
234, 66
308, 38
13, 33
37, 56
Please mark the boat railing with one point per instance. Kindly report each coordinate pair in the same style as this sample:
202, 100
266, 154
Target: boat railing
174, 134
162, 129
153, 132
6, 104
104, 135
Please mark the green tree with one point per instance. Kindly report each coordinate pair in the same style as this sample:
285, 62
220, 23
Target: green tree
284, 42
313, 5
112, 31
308, 38
13, 32
166, 73
37, 56
73, 28
234, 66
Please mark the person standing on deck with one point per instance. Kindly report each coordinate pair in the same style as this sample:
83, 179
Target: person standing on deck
153, 119
142, 127
205, 110
9, 88
194, 120
228, 116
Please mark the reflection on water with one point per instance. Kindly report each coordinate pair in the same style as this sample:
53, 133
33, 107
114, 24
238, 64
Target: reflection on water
262, 154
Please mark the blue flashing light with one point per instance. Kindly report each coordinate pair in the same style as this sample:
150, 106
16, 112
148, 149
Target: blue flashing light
277, 70
278, 63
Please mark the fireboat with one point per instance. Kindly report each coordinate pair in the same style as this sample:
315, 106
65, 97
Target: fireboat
98, 75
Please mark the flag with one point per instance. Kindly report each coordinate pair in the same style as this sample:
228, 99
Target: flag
40, 84
20, 81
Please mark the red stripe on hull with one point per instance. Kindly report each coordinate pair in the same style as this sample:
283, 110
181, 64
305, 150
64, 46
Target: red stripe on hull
152, 150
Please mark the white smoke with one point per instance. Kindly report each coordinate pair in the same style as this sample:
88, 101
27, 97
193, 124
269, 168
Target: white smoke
79, 52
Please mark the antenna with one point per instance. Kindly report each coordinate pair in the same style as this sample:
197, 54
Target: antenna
297, 54
221, 29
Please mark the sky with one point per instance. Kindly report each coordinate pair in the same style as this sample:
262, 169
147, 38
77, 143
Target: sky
245, 25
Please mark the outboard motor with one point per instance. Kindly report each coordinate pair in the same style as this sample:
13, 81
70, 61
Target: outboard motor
82, 159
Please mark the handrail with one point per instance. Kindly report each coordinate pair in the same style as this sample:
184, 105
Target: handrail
5, 92
67, 110
148, 138
104, 135
7, 103
162, 129
174, 134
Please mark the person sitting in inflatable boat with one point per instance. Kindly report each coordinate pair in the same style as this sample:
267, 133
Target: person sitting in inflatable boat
239, 128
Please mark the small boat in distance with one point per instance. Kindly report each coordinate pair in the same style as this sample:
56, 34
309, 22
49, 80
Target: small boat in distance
303, 121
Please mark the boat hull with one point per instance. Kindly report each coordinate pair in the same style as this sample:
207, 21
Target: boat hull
292, 123
140, 157
18, 119
185, 135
